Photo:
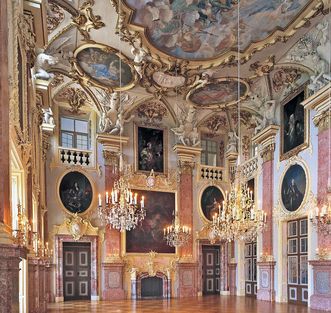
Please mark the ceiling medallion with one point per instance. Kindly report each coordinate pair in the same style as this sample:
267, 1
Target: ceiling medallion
168, 81
218, 93
104, 67
159, 24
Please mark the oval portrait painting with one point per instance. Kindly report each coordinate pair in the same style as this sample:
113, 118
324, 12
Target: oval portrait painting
293, 187
211, 199
76, 192
105, 67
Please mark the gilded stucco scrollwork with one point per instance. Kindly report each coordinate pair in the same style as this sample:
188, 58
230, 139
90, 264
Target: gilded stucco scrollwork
86, 20
55, 16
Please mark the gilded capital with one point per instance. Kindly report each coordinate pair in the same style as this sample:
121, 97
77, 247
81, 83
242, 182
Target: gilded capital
323, 120
267, 152
186, 167
110, 157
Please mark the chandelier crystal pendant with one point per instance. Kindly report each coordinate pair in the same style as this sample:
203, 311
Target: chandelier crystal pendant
238, 218
175, 234
121, 209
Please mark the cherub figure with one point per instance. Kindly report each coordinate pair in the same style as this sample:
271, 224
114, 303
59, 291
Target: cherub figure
187, 131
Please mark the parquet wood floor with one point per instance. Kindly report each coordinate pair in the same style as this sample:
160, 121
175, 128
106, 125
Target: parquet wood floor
210, 304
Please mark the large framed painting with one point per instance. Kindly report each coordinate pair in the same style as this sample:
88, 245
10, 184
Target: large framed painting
104, 66
293, 187
210, 200
148, 236
151, 149
75, 192
294, 127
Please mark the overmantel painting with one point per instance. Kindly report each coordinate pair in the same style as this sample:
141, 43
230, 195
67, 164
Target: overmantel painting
151, 149
293, 187
159, 214
200, 29
104, 66
294, 124
75, 192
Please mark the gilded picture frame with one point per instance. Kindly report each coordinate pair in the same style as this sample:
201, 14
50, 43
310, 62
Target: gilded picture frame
79, 192
294, 162
207, 205
294, 129
100, 65
148, 153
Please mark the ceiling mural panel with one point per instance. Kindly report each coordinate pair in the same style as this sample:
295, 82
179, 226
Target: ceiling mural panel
218, 93
203, 30
104, 66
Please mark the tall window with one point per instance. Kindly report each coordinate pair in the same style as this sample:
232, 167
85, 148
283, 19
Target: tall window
74, 133
209, 152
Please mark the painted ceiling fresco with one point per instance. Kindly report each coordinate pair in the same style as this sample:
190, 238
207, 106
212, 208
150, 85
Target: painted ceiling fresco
104, 67
203, 29
218, 93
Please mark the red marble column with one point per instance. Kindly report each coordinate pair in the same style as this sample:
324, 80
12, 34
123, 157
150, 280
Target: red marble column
186, 203
324, 173
112, 236
113, 268
266, 264
267, 203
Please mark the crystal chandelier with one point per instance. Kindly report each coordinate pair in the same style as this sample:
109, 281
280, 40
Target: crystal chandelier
121, 209
175, 234
321, 217
238, 218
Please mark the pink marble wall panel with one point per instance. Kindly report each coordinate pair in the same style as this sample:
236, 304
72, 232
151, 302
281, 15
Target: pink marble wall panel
267, 205
112, 281
186, 276
324, 172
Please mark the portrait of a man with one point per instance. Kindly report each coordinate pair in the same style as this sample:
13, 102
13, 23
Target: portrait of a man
211, 199
159, 214
75, 192
150, 149
294, 123
293, 187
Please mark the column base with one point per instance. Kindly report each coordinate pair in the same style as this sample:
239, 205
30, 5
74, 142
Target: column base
321, 298
112, 281
225, 292
232, 280
186, 280
266, 291
10, 256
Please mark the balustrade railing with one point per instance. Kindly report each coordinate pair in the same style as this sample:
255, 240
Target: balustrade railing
207, 172
250, 167
75, 156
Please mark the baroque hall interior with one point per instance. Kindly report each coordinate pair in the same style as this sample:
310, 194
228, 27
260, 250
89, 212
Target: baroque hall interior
165, 156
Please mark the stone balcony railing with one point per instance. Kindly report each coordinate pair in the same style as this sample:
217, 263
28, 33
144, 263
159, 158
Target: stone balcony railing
207, 172
250, 167
75, 156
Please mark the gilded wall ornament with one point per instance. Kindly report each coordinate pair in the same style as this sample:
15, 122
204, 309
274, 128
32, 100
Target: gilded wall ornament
76, 98
261, 68
55, 16
86, 20
57, 80
153, 111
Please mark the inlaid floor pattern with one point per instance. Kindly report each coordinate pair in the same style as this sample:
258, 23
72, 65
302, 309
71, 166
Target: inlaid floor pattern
210, 304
